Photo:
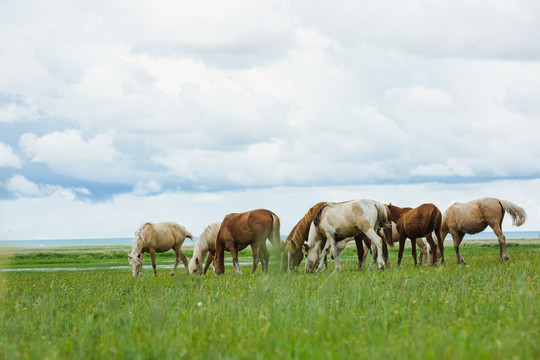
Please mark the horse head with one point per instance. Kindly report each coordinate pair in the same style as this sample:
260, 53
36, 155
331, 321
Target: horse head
136, 261
195, 266
312, 257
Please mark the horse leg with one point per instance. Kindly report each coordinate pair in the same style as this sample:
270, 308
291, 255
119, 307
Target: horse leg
413, 251
234, 253
322, 261
153, 257
423, 251
432, 250
359, 251
376, 247
402, 238
255, 251
208, 262
333, 250
179, 256
503, 253
264, 255
457, 238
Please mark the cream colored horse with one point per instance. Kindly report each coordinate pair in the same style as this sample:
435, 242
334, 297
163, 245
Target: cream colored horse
338, 221
157, 238
474, 216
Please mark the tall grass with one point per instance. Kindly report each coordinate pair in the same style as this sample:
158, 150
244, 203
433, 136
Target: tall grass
485, 310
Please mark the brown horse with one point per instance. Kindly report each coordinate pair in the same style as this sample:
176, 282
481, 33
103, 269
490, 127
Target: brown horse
298, 236
206, 244
248, 228
419, 222
474, 216
157, 238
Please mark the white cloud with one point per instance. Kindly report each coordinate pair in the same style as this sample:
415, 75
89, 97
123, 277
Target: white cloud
64, 217
146, 188
68, 152
24, 188
8, 157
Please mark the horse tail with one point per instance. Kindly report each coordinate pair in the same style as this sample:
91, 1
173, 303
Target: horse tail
518, 214
383, 221
275, 237
317, 219
188, 235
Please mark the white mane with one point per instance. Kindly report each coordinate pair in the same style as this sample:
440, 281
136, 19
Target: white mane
205, 242
137, 238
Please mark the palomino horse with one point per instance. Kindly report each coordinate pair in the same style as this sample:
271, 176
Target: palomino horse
157, 238
474, 216
243, 229
206, 244
337, 221
419, 222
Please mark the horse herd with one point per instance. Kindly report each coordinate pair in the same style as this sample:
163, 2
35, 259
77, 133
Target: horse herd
327, 227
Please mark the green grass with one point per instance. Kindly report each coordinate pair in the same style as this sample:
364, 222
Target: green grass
487, 310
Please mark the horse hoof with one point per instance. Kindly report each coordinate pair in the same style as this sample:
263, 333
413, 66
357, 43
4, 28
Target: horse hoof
171, 274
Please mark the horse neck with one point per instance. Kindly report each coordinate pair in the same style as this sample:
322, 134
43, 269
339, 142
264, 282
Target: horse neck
393, 212
138, 242
200, 250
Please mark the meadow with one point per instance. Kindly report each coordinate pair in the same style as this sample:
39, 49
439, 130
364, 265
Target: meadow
484, 310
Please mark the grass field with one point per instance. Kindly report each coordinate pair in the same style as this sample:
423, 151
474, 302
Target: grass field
486, 310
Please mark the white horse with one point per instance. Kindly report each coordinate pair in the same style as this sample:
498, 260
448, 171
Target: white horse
205, 243
157, 238
338, 221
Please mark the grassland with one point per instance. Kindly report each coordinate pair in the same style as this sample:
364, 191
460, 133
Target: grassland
486, 310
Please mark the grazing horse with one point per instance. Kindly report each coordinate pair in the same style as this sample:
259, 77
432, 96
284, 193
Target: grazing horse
243, 229
419, 222
474, 216
206, 244
337, 221
298, 236
157, 238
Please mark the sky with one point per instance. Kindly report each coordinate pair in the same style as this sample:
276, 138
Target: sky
114, 113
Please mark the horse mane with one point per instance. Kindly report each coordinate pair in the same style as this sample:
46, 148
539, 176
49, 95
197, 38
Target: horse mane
208, 237
138, 236
317, 219
300, 231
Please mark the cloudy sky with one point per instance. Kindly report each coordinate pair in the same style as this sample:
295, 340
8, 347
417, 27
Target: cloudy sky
113, 113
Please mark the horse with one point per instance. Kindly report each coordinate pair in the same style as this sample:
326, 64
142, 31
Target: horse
157, 238
206, 244
337, 221
474, 216
419, 222
293, 255
298, 236
243, 229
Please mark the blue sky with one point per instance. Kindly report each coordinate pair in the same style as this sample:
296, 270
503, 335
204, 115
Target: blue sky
112, 114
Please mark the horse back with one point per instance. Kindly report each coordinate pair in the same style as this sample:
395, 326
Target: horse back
245, 228
420, 221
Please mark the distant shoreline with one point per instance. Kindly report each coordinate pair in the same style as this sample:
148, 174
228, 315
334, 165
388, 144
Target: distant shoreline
486, 235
